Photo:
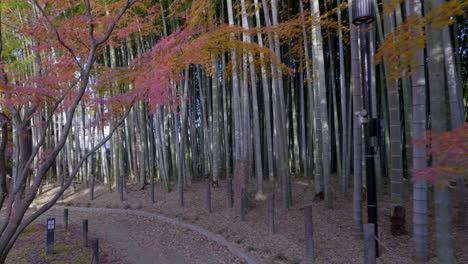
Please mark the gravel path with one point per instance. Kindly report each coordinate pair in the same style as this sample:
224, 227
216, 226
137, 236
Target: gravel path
143, 238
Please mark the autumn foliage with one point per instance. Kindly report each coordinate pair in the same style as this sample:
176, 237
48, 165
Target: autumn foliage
398, 47
450, 150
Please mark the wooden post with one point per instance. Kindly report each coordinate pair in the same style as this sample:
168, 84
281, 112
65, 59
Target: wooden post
50, 242
121, 190
91, 187
309, 234
271, 213
152, 189
369, 244
65, 219
95, 249
229, 193
208, 196
181, 194
85, 233
243, 204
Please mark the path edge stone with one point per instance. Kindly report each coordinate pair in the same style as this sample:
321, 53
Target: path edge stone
217, 238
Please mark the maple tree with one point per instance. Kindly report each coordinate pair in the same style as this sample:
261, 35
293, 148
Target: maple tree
183, 91
399, 47
60, 83
451, 152
65, 63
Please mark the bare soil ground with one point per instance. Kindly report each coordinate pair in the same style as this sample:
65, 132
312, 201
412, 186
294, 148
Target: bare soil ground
30, 247
335, 241
129, 239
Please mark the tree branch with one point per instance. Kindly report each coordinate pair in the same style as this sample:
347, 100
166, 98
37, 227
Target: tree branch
3, 76
57, 35
84, 84
114, 23
21, 204
91, 25
3, 167
70, 178
41, 141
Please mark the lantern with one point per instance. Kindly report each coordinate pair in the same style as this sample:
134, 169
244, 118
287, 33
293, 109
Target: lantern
50, 236
51, 224
363, 12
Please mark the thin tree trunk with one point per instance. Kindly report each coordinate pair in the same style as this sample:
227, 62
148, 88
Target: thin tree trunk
317, 43
343, 96
83, 148
279, 112
226, 128
408, 115
183, 125
266, 101
217, 162
256, 122
418, 83
237, 117
357, 130
396, 162
310, 97
456, 116
439, 124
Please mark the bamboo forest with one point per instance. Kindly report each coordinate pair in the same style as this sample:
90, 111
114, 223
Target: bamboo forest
233, 131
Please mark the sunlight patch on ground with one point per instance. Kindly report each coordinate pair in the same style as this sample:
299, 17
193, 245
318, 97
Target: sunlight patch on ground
69, 195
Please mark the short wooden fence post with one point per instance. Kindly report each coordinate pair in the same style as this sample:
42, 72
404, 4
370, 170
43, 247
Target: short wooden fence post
65, 219
271, 213
208, 196
85, 233
95, 249
230, 193
309, 234
243, 205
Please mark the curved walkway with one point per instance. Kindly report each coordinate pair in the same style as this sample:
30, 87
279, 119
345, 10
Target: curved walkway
182, 245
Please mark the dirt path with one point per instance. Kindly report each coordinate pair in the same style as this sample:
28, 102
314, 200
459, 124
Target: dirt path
334, 239
143, 239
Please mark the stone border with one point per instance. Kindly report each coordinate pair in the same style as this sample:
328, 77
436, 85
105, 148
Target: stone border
217, 238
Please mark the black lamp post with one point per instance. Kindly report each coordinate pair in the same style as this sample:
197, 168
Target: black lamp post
363, 15
363, 12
